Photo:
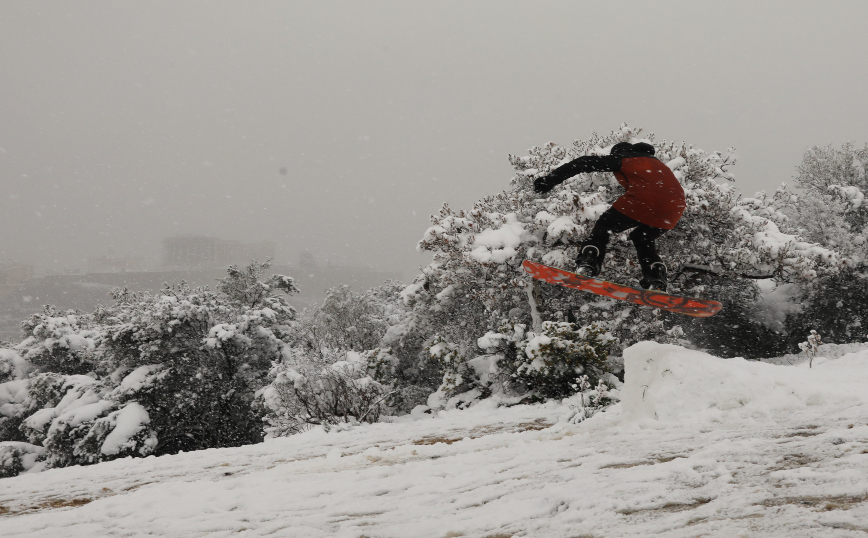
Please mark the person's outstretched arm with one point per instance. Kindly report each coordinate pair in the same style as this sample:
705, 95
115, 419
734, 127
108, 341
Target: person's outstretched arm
582, 165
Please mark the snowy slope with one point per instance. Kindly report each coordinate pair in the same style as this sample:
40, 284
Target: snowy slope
698, 446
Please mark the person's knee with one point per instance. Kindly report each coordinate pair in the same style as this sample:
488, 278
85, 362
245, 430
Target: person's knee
600, 237
640, 236
646, 234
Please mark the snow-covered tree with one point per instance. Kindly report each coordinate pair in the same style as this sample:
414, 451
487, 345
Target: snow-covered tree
831, 210
827, 166
347, 320
475, 280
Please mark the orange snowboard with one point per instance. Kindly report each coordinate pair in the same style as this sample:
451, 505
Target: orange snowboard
700, 308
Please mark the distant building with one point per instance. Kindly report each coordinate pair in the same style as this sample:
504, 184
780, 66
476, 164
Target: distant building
205, 251
114, 264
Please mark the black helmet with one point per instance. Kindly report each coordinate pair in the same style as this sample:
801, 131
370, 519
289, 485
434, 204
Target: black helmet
625, 149
621, 148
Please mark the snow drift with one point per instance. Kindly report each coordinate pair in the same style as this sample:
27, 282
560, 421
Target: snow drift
668, 383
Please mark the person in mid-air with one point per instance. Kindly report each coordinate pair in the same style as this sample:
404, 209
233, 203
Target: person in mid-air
652, 204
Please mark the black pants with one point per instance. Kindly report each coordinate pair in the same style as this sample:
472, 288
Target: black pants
643, 236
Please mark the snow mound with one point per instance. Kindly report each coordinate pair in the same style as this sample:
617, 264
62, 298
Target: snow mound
668, 383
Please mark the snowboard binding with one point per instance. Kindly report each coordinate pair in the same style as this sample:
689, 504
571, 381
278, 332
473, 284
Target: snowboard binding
588, 261
654, 277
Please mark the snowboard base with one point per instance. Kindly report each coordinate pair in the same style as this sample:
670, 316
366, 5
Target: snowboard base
690, 306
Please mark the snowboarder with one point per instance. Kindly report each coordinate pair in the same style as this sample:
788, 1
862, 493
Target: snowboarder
652, 205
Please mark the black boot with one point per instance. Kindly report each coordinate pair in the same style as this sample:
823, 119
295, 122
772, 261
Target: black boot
654, 277
588, 262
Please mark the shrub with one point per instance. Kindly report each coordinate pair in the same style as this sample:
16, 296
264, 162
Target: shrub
17, 457
373, 324
61, 342
314, 392
549, 362
542, 364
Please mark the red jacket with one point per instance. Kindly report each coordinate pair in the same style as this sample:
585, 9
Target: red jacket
654, 196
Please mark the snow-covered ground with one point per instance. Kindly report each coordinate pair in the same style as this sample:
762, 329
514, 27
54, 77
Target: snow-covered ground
698, 446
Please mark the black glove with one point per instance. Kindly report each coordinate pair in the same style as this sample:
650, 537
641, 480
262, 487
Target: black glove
544, 184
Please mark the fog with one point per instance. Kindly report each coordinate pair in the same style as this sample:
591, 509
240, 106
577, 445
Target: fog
339, 127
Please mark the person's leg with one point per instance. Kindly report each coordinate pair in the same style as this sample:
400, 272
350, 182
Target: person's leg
592, 251
653, 268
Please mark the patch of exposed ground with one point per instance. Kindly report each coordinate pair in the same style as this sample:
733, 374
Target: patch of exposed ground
793, 461
827, 503
653, 461
668, 507
536, 425
44, 504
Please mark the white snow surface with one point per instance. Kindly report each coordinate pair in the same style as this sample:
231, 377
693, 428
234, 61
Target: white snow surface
698, 446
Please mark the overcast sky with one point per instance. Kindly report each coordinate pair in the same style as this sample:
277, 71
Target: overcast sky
339, 127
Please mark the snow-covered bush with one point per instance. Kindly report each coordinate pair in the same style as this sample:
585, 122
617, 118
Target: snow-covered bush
811, 346
244, 288
12, 366
74, 419
310, 391
348, 320
841, 173
16, 457
405, 365
14, 387
61, 342
547, 363
197, 357
588, 401
17, 402
517, 362
341, 365
825, 218
64, 402
177, 370
372, 324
